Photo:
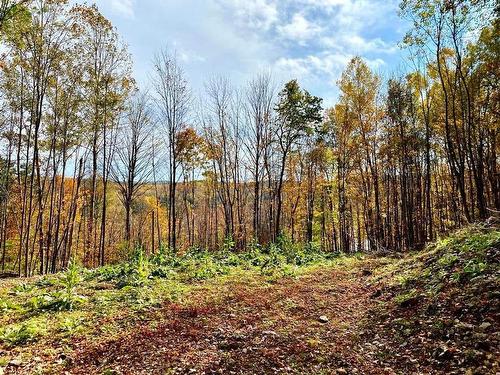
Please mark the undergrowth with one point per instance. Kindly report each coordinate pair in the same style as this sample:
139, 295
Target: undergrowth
441, 304
143, 282
276, 260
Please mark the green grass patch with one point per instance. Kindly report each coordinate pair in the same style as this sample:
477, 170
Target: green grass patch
56, 307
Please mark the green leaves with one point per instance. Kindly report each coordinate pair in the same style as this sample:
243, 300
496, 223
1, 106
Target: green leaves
298, 110
20, 334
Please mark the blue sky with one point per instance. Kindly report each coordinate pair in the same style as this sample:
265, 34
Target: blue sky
311, 40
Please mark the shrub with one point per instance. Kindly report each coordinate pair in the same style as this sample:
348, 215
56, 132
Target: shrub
65, 299
136, 272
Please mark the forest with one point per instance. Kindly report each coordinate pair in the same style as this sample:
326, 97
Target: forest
100, 175
92, 167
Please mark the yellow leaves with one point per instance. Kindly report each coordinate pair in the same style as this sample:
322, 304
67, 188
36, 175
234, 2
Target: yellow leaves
91, 16
191, 148
359, 86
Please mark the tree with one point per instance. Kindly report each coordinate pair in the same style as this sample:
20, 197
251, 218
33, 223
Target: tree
359, 94
298, 113
11, 10
259, 110
442, 29
222, 126
172, 103
192, 151
131, 168
107, 82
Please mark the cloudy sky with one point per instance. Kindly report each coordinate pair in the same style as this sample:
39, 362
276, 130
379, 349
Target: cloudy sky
311, 40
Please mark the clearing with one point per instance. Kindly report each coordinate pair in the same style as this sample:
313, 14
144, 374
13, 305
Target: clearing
433, 312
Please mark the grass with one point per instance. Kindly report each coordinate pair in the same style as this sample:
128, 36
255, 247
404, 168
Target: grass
70, 304
450, 285
101, 304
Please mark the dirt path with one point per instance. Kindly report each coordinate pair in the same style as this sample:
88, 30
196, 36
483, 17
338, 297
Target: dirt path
242, 329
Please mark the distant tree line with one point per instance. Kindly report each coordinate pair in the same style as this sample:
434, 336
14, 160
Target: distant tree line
92, 167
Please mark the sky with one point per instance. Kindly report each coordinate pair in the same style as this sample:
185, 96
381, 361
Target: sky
310, 40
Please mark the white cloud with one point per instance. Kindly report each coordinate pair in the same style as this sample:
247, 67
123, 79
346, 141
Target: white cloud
375, 64
292, 68
318, 72
356, 44
328, 4
257, 14
315, 68
312, 40
299, 29
123, 7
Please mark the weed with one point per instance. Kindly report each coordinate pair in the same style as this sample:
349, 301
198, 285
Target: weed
22, 288
67, 298
402, 299
448, 260
72, 324
6, 305
20, 334
474, 267
64, 299
228, 244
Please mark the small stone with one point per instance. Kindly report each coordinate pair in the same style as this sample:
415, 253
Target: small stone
341, 371
269, 333
323, 319
15, 363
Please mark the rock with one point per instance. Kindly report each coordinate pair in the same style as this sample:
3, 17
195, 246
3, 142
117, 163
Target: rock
104, 286
482, 345
341, 371
232, 343
323, 319
484, 326
229, 345
15, 363
432, 309
442, 353
269, 333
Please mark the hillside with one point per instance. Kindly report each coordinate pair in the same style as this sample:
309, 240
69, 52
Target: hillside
285, 311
